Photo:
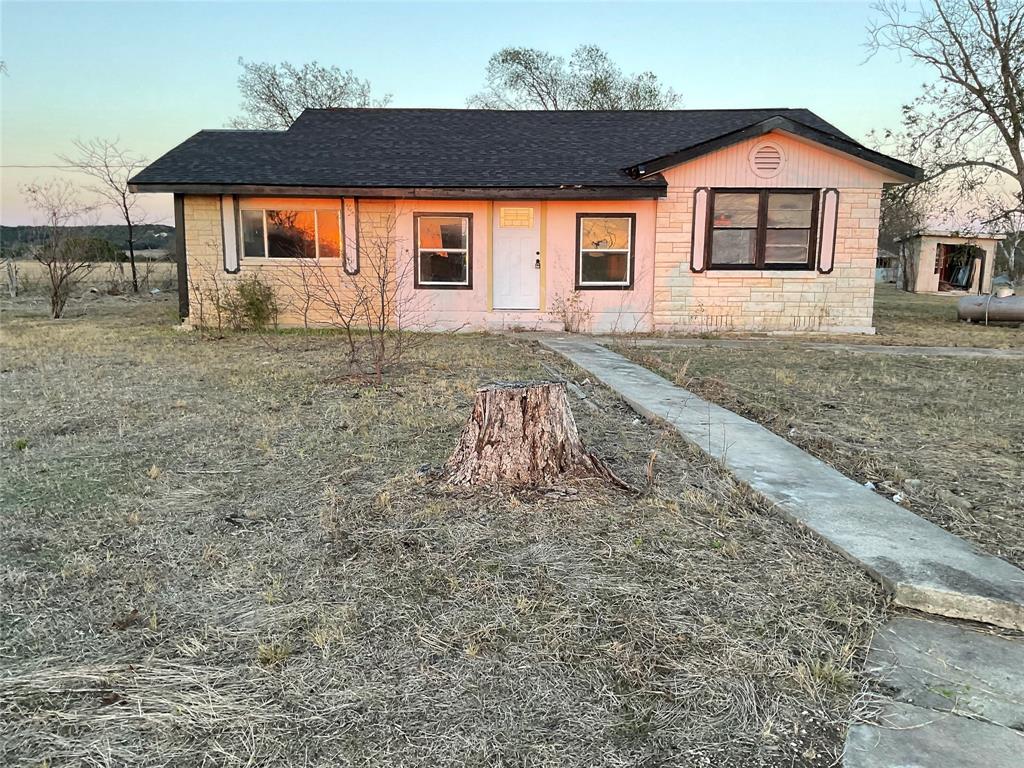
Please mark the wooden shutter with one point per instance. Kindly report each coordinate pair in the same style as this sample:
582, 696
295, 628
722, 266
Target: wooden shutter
701, 198
229, 232
829, 226
350, 236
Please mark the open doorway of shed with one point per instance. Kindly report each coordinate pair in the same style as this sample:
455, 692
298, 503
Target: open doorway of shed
955, 264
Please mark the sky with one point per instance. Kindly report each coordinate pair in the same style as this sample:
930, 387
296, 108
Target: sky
153, 73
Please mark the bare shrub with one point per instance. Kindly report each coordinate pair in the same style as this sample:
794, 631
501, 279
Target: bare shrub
250, 305
572, 312
375, 308
390, 310
207, 295
65, 259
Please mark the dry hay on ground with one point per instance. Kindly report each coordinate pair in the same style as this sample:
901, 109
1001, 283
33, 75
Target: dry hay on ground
216, 551
947, 425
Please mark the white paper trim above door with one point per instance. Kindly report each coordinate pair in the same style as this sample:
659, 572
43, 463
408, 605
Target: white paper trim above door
229, 232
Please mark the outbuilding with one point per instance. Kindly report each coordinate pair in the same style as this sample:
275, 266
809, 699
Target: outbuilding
936, 261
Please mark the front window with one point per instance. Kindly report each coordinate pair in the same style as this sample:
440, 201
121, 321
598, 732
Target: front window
443, 252
762, 229
605, 251
291, 234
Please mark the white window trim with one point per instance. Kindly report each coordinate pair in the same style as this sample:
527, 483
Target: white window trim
628, 250
264, 259
420, 251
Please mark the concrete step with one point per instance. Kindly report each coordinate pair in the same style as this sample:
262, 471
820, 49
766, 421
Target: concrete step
950, 668
922, 565
913, 737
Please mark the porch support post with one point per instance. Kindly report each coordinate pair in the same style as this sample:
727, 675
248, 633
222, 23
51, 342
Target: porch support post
544, 254
181, 256
490, 255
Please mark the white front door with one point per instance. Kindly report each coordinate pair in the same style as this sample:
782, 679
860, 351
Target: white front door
516, 277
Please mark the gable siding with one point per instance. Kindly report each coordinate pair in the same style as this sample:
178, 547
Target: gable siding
721, 301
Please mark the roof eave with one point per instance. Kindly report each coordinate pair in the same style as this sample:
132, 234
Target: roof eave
651, 188
904, 170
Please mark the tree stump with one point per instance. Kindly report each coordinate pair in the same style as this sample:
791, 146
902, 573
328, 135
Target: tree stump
522, 434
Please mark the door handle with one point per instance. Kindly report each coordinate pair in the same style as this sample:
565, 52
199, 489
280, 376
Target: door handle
536, 264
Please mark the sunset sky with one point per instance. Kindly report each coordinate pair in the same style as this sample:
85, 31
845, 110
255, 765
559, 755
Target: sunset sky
153, 73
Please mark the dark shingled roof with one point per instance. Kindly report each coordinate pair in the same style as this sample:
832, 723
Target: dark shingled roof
483, 149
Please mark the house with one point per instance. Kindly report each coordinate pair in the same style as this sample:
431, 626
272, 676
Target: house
938, 261
689, 220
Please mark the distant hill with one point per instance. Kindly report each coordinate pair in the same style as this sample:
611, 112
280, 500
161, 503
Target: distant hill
146, 235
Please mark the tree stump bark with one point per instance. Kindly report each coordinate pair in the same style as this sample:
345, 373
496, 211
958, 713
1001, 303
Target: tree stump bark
522, 434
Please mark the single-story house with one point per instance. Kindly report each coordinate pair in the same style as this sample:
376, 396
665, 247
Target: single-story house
941, 261
689, 220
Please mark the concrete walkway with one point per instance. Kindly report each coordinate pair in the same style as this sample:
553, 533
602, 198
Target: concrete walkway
955, 697
949, 697
1013, 353
922, 565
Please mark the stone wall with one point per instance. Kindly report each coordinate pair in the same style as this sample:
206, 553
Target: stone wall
774, 301
309, 293
717, 301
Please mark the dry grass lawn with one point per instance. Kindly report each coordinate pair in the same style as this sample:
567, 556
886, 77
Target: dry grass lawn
944, 433
930, 320
217, 552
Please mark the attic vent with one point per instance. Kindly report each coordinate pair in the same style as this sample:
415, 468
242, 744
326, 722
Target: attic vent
767, 159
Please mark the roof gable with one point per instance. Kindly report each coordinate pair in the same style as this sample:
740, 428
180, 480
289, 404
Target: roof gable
833, 140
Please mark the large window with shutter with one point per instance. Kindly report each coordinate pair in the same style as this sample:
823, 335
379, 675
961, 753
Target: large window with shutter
762, 229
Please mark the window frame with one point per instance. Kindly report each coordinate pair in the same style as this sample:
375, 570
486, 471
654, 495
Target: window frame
417, 283
265, 258
579, 285
760, 265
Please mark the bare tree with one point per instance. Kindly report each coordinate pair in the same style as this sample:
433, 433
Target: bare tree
273, 95
65, 259
966, 128
376, 309
317, 290
903, 214
527, 78
1011, 250
390, 309
111, 166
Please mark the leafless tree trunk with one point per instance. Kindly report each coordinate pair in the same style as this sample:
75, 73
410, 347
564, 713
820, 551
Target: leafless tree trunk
112, 167
522, 434
12, 277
